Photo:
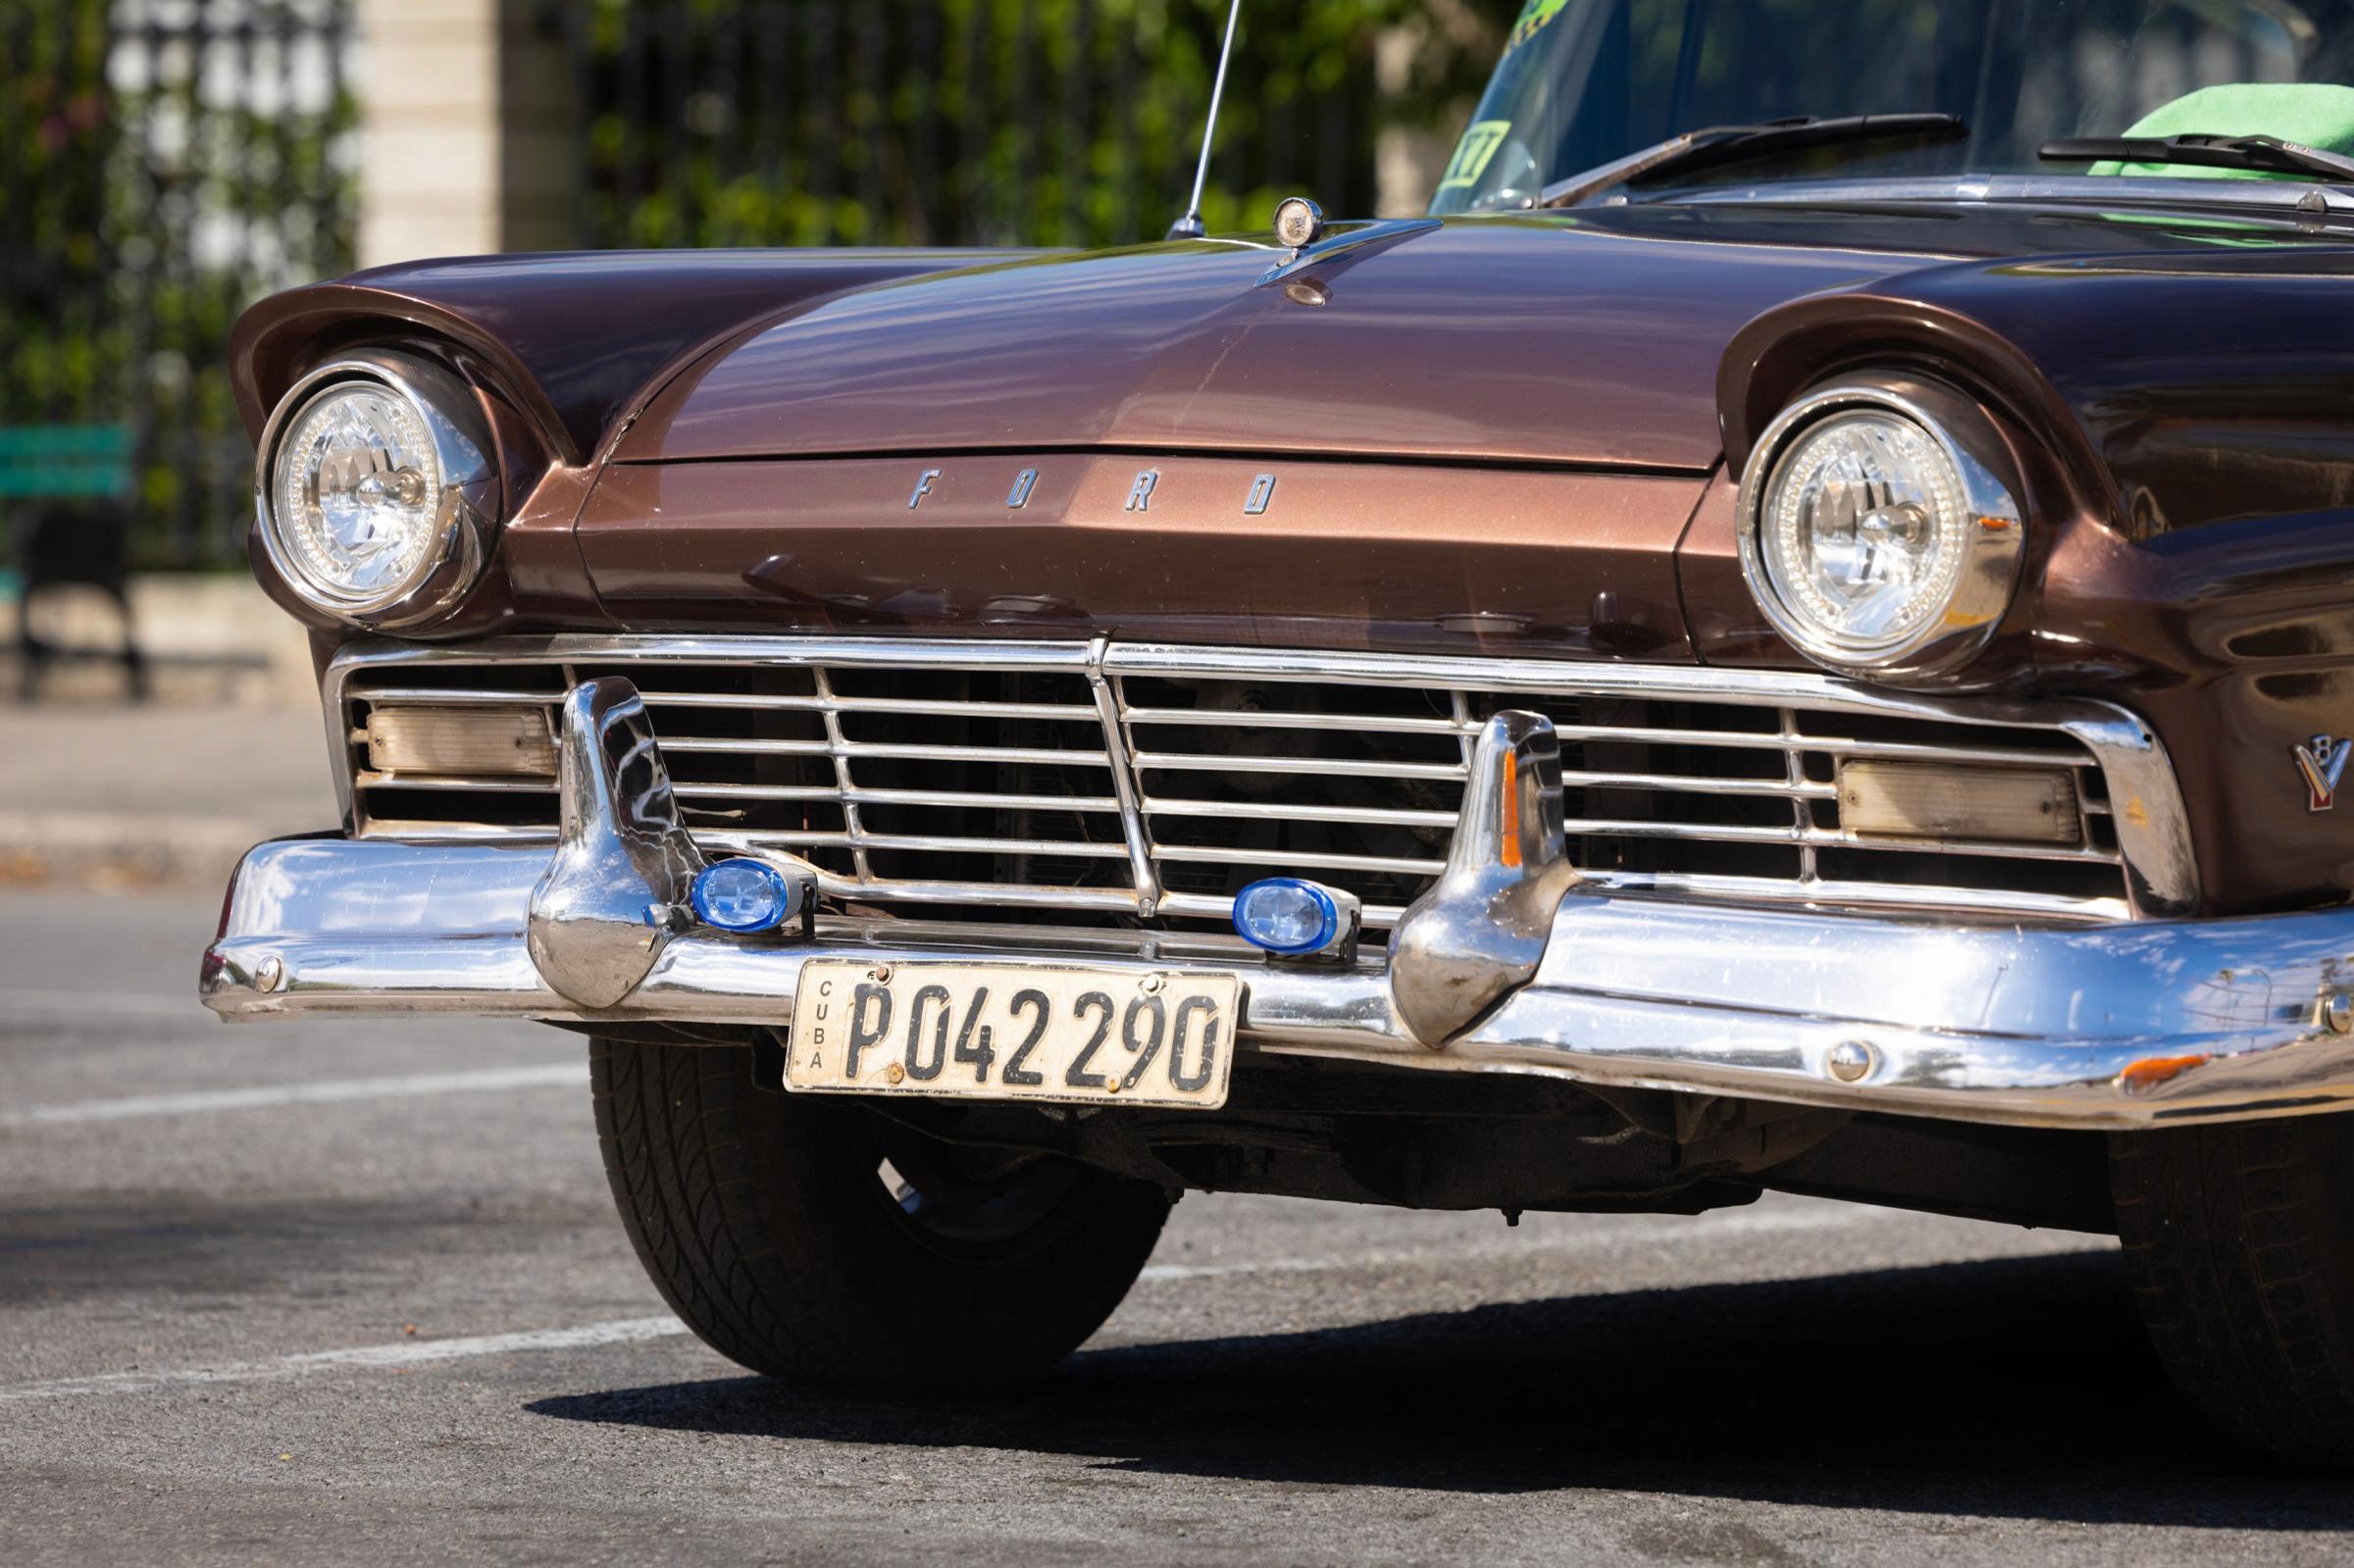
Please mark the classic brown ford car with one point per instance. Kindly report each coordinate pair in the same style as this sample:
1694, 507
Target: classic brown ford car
1810, 655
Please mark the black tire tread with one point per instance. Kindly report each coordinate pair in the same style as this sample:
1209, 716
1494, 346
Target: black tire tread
647, 1108
2237, 1249
758, 1218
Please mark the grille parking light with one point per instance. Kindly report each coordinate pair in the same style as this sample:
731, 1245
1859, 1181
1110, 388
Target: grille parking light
502, 742
1986, 805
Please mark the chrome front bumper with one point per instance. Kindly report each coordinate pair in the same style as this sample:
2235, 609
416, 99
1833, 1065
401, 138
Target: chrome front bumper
1521, 972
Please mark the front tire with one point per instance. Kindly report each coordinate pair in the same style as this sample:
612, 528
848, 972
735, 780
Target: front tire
806, 1237
2239, 1244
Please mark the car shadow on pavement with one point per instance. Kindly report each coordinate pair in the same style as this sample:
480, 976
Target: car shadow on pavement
2012, 1388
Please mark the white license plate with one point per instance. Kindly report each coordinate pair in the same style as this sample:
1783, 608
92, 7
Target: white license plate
1014, 1032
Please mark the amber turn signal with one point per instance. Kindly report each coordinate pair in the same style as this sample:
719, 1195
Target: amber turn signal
2152, 1071
1508, 784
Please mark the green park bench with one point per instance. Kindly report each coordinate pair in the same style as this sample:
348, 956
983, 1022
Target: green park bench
66, 493
65, 462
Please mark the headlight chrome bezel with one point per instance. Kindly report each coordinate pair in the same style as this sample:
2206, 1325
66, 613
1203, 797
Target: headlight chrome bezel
465, 513
1994, 542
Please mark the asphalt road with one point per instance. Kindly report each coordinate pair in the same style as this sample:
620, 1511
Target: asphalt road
356, 1294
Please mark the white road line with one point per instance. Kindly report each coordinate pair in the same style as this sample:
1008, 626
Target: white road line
404, 1353
567, 1075
77, 1006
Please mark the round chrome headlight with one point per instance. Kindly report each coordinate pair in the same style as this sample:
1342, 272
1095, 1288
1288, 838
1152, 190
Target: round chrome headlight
374, 490
1871, 538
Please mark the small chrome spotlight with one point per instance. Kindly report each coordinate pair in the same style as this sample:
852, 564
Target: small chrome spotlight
1294, 918
1298, 221
747, 895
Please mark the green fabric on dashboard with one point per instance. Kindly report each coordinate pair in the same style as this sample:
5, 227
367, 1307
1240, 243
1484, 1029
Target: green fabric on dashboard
2319, 114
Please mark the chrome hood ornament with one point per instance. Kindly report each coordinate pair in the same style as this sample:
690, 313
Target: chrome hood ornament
1299, 223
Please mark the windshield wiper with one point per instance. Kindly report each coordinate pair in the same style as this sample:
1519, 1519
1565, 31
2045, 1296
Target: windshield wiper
1727, 144
2269, 154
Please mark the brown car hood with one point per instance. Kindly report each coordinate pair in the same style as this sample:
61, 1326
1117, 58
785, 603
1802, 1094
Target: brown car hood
1503, 339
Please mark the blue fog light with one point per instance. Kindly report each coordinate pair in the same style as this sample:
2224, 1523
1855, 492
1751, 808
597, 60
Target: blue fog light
743, 895
1285, 915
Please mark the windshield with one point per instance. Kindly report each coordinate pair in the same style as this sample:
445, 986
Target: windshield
1585, 82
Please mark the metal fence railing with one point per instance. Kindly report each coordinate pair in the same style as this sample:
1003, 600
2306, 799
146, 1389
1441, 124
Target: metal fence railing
962, 121
163, 163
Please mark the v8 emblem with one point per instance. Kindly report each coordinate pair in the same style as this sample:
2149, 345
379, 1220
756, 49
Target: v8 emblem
2323, 762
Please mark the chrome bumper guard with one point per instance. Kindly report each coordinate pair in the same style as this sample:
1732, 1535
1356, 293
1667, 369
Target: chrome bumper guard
1509, 965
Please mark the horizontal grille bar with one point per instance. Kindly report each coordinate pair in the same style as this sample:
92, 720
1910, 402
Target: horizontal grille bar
890, 797
1301, 860
948, 710
1122, 783
1146, 761
1831, 745
1672, 783
1580, 827
1262, 719
946, 846
1262, 811
943, 752
471, 783
446, 698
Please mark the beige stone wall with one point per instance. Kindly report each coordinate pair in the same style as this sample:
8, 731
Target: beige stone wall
466, 130
1408, 164
538, 187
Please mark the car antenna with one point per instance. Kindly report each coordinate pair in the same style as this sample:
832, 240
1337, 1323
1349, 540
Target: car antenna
1190, 225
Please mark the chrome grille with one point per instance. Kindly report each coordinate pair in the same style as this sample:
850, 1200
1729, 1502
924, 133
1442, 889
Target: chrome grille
1136, 779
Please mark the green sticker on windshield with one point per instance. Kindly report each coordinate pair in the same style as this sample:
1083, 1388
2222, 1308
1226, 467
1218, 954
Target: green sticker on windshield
1480, 140
1533, 16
